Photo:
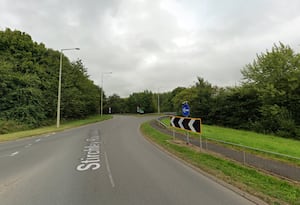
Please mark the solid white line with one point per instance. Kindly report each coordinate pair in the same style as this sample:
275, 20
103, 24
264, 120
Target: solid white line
13, 154
108, 170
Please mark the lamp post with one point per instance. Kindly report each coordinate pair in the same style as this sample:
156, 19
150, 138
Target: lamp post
158, 106
59, 84
102, 74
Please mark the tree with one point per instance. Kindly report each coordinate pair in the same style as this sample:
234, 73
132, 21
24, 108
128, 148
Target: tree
29, 80
116, 103
275, 75
199, 98
143, 100
165, 101
236, 107
203, 105
185, 95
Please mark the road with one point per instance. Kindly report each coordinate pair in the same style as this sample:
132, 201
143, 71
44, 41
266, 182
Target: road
104, 163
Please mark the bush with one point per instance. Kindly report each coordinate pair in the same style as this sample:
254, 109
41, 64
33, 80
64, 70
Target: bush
7, 126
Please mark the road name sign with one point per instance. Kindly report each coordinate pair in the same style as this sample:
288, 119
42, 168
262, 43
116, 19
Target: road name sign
91, 160
186, 123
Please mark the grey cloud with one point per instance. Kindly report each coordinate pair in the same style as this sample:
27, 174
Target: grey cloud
146, 43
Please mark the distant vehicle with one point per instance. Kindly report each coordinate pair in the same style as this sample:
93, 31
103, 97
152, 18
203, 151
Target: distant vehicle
139, 110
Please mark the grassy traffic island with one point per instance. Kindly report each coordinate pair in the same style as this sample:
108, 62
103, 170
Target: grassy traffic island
270, 189
53, 128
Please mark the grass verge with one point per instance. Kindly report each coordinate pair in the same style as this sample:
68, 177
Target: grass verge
49, 129
268, 188
252, 139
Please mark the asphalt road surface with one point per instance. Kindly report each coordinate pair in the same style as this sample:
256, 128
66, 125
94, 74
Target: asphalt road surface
105, 163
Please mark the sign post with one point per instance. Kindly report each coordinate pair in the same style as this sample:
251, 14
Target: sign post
188, 124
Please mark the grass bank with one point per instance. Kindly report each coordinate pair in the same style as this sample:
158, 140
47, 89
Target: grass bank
49, 129
268, 188
252, 139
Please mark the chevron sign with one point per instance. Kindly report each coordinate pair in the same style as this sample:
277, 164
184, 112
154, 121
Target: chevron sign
186, 123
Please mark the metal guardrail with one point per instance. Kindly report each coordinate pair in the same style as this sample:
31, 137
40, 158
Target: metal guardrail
253, 148
242, 155
234, 144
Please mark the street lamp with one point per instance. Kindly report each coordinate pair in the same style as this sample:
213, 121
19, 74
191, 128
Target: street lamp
102, 74
158, 106
59, 84
158, 100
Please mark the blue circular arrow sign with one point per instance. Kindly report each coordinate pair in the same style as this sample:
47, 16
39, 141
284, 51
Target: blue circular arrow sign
185, 109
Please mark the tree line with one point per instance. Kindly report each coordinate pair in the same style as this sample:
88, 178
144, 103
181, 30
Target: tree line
267, 100
29, 83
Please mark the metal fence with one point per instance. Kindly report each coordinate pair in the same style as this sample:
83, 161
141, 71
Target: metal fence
240, 153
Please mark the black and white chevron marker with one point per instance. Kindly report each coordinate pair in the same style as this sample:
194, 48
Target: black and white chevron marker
185, 123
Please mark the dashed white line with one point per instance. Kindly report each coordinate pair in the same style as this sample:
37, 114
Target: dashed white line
37, 140
13, 154
108, 170
28, 145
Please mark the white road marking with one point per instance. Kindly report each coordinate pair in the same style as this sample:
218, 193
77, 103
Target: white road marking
92, 155
13, 154
37, 140
28, 145
108, 170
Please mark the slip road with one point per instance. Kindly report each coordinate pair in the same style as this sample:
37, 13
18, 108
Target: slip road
104, 163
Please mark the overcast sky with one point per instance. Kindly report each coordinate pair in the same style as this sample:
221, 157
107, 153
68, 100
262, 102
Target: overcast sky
158, 44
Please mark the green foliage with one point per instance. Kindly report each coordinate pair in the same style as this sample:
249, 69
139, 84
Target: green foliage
143, 100
18, 134
268, 101
187, 94
164, 101
235, 107
116, 103
267, 187
203, 103
8, 126
275, 75
80, 97
29, 80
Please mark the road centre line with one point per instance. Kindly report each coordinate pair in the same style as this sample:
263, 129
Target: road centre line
28, 145
109, 172
13, 154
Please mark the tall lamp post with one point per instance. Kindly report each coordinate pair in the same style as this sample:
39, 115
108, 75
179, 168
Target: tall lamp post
59, 84
158, 104
102, 74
